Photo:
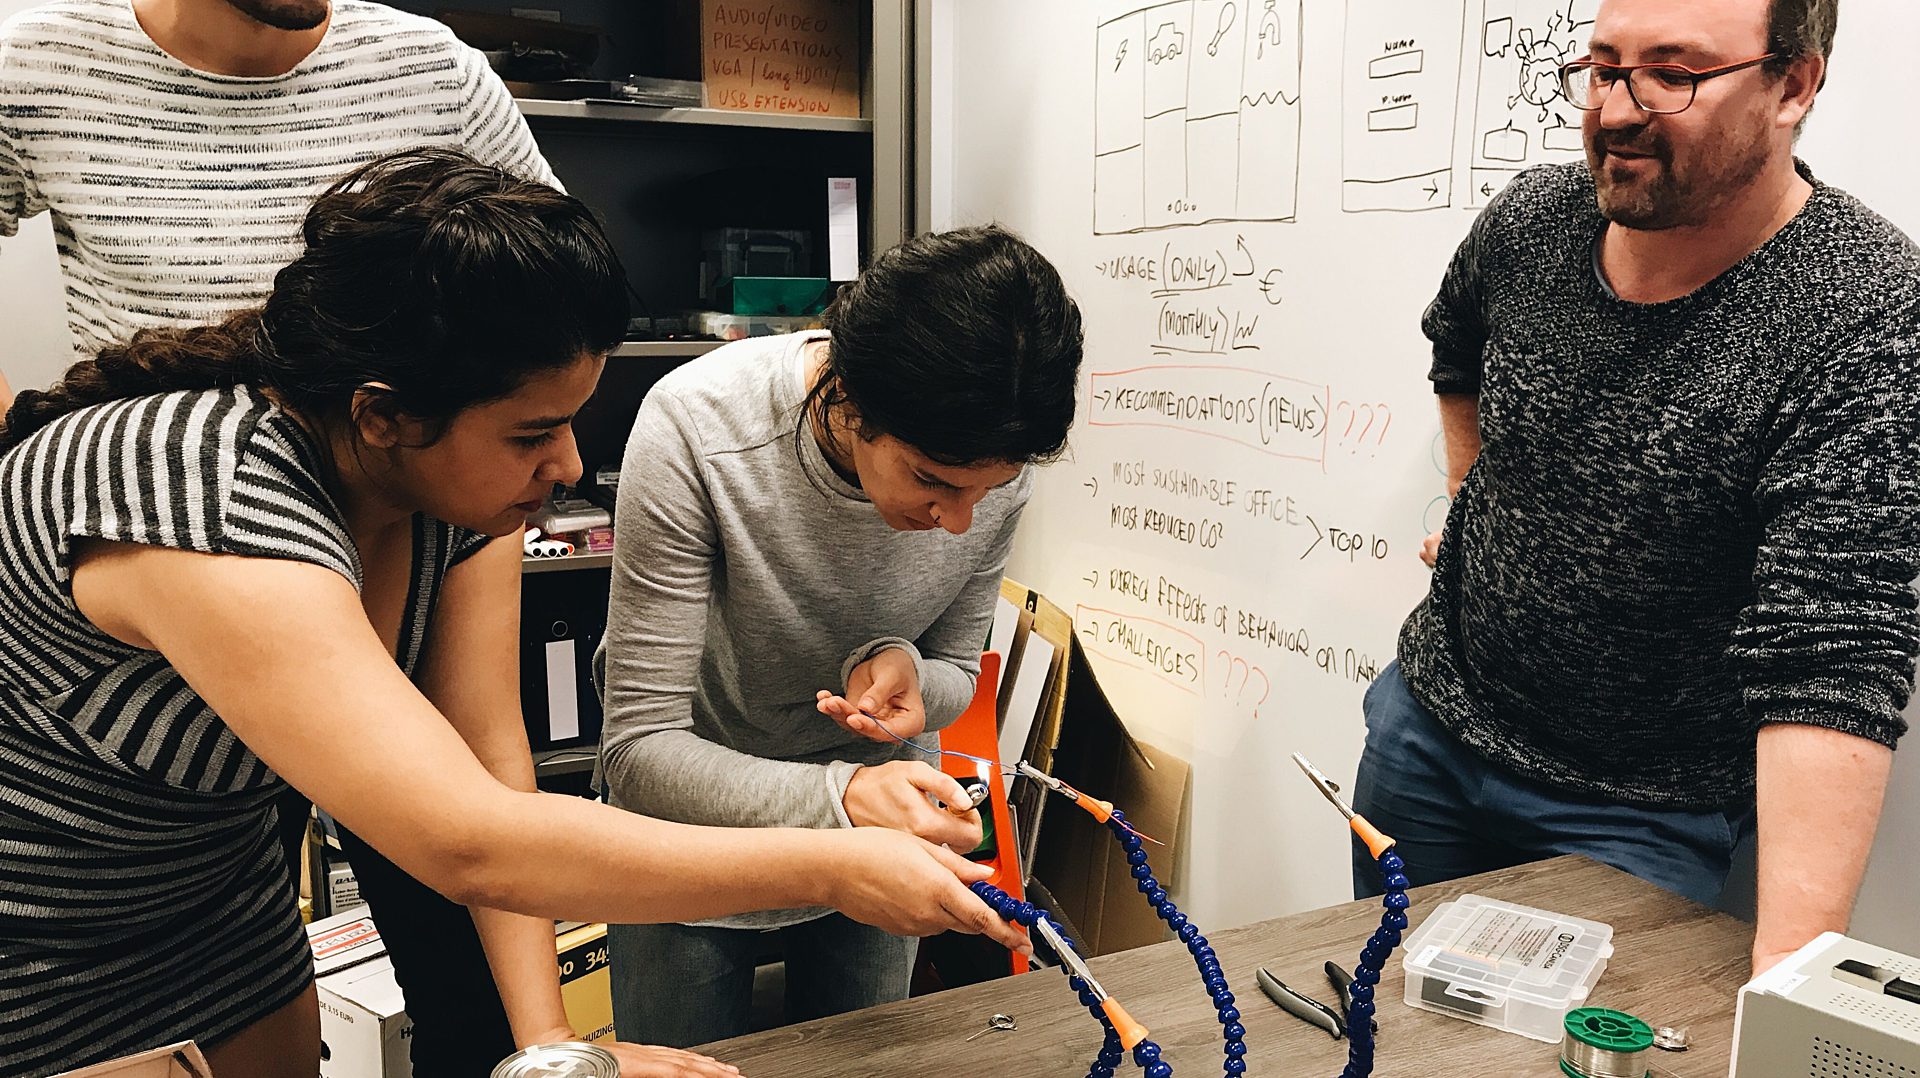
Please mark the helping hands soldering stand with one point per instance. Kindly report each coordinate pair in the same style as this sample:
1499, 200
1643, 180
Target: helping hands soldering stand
1366, 976
1123, 1034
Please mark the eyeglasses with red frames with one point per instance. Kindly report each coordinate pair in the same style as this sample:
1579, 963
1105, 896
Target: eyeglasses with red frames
1662, 89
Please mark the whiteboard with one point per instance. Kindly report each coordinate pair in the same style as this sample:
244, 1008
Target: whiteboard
1253, 201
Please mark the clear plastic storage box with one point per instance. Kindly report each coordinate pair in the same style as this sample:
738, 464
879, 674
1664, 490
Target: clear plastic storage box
1506, 966
736, 327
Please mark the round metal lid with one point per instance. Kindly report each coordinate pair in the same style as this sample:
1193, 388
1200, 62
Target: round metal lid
566, 1060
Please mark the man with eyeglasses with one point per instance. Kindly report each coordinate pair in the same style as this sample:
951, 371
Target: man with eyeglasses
1680, 391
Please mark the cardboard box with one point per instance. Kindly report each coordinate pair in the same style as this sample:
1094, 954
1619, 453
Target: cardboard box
1080, 739
363, 1017
364, 1031
1077, 857
793, 56
342, 941
363, 1023
1036, 653
586, 985
181, 1060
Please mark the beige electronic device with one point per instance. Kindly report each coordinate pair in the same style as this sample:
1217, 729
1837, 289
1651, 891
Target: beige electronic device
1837, 1008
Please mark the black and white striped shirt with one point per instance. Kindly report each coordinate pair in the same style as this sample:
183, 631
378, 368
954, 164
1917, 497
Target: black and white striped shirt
145, 898
177, 194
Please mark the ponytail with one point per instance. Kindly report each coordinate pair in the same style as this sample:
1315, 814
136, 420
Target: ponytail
215, 356
964, 345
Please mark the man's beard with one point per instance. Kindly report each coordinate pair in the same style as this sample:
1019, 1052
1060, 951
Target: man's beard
285, 14
1670, 195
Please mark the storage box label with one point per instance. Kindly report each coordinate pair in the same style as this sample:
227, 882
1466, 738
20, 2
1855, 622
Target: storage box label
1536, 945
352, 935
794, 56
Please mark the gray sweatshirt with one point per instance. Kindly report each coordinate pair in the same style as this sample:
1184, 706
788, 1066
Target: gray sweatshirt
747, 575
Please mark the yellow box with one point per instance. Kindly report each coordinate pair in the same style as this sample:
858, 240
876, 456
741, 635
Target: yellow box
586, 985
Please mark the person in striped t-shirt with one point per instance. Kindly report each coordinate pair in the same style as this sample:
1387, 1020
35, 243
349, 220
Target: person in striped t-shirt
177, 143
284, 548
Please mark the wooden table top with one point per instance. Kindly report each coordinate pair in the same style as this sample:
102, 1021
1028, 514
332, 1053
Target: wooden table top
1675, 963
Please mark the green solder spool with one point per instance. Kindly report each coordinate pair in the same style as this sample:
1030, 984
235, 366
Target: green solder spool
1602, 1043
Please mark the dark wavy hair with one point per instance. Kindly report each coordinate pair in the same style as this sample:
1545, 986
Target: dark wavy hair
430, 279
962, 344
1797, 28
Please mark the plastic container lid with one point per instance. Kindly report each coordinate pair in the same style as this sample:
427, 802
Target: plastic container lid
1504, 965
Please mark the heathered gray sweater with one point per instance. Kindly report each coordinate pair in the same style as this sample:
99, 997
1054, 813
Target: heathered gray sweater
1687, 519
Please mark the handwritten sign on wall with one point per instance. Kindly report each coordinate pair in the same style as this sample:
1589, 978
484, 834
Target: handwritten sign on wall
792, 56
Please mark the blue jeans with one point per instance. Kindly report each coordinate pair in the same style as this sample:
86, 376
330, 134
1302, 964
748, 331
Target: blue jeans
1453, 813
684, 985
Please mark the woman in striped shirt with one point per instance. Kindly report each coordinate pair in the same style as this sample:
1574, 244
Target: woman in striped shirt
284, 549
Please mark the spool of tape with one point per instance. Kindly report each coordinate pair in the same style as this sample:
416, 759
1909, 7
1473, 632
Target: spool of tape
1603, 1043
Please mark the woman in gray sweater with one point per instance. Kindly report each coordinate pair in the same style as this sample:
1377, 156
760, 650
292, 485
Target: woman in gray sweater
812, 527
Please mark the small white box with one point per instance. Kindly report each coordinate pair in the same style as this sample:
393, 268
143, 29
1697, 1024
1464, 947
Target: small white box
364, 1031
363, 1017
1498, 964
343, 940
343, 890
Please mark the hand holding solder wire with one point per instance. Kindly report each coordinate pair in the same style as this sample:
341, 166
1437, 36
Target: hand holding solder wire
882, 701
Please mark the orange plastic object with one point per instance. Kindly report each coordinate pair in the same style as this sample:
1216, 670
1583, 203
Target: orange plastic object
977, 733
1377, 843
1130, 1031
1101, 810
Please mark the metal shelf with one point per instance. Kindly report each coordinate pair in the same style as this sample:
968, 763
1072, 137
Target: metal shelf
641, 114
574, 761
664, 349
601, 560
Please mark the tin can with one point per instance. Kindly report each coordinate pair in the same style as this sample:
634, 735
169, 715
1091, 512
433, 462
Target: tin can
570, 1059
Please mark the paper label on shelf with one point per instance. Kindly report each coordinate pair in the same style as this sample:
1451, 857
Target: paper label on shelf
1535, 945
563, 692
843, 228
795, 56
